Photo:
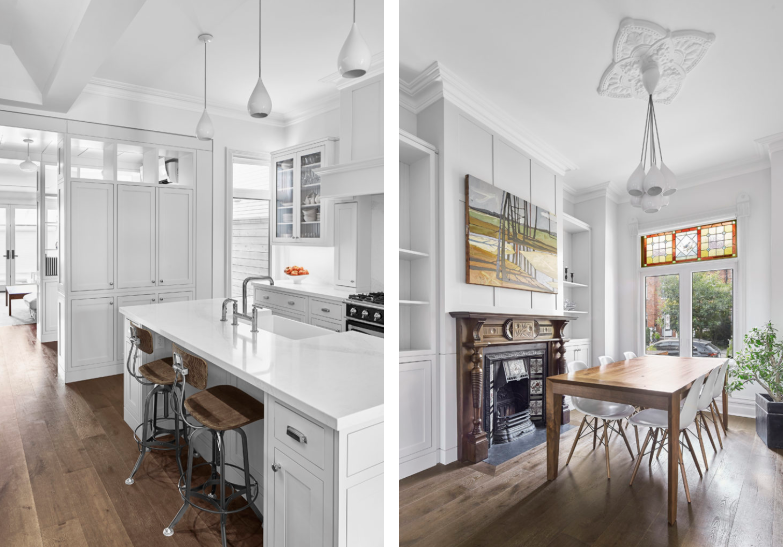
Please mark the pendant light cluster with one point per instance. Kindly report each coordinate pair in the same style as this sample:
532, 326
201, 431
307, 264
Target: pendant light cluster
651, 187
355, 57
27, 165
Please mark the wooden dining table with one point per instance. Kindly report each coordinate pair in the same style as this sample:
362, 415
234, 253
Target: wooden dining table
650, 381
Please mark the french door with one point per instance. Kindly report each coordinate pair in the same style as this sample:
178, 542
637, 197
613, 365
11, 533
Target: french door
689, 310
18, 244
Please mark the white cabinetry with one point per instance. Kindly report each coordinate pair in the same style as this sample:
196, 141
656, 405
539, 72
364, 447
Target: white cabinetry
577, 258
136, 256
92, 331
298, 501
299, 216
346, 243
320, 311
416, 413
91, 236
579, 350
175, 237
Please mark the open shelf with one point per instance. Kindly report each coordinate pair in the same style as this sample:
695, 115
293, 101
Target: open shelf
574, 285
406, 254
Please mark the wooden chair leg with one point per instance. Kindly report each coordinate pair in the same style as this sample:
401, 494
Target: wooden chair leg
626, 440
706, 427
606, 447
576, 440
663, 442
717, 431
640, 456
595, 432
636, 432
701, 443
684, 478
720, 418
655, 441
693, 452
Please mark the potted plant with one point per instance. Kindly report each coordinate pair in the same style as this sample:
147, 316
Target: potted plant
761, 362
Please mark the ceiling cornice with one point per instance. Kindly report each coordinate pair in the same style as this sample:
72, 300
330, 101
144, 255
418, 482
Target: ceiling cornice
336, 79
149, 95
437, 82
603, 189
769, 144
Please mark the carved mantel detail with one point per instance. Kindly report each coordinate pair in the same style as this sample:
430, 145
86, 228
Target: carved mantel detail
475, 332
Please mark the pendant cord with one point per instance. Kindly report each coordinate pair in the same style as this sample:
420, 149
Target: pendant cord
657, 134
259, 39
354, 11
205, 75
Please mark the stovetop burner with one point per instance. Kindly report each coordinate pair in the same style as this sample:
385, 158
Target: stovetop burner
371, 298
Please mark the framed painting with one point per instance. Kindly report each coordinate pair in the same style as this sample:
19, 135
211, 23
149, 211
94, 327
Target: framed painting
509, 241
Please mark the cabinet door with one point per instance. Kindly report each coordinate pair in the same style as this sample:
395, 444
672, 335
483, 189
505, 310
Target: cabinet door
310, 219
346, 243
289, 315
92, 236
324, 324
168, 297
92, 332
175, 237
284, 210
122, 324
298, 505
135, 236
415, 407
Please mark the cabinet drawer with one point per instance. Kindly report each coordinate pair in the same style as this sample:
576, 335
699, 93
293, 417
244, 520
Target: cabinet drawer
281, 300
324, 324
288, 315
290, 426
327, 309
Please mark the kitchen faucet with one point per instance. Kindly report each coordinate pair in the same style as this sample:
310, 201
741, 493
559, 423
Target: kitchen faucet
253, 317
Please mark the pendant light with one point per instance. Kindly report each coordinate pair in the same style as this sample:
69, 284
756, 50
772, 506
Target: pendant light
27, 165
355, 57
205, 130
260, 103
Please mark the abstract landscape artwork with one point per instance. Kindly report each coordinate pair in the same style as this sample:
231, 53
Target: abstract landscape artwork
510, 243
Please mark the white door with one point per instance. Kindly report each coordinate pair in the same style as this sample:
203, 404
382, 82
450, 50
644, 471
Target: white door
136, 237
415, 407
92, 236
298, 505
18, 244
92, 331
346, 243
175, 237
122, 324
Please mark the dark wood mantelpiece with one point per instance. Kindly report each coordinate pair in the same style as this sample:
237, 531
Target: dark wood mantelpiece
477, 331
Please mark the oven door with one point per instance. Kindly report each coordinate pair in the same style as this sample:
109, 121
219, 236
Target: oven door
364, 328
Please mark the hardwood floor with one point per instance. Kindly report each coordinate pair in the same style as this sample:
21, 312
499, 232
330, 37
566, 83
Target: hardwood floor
65, 452
739, 502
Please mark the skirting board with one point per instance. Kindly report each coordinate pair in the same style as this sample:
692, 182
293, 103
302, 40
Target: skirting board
416, 465
90, 373
48, 337
739, 407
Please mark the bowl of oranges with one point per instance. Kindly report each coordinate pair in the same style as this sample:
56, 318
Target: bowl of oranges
296, 273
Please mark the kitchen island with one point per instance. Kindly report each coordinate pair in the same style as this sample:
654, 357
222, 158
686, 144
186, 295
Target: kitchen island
327, 491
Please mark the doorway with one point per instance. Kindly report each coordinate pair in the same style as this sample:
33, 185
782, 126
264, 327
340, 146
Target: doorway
18, 245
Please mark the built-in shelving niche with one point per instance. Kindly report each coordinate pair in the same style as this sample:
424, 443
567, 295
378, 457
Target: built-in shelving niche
576, 257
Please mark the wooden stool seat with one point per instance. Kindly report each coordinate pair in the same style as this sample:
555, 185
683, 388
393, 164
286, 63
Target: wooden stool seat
159, 372
224, 407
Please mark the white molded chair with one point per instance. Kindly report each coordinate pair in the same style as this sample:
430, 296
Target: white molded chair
717, 392
705, 403
629, 355
605, 360
657, 420
609, 413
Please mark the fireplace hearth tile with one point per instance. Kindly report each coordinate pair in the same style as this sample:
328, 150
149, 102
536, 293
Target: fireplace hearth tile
501, 453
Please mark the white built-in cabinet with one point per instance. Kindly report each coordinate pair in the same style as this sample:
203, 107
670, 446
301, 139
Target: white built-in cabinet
346, 243
416, 390
136, 263
175, 237
299, 215
92, 331
91, 216
576, 251
320, 311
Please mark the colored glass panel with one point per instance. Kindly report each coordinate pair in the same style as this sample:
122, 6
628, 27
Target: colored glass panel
708, 242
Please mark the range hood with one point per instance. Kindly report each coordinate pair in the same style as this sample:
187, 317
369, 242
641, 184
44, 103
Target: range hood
354, 178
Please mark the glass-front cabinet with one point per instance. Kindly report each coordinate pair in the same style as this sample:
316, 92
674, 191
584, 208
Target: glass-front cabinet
299, 215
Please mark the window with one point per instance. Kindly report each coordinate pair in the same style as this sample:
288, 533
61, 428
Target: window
694, 244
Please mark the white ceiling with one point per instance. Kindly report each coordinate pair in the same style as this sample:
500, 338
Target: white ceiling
154, 44
542, 61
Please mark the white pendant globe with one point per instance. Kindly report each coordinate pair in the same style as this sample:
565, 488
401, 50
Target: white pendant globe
355, 57
205, 130
652, 204
671, 181
28, 166
654, 181
635, 184
260, 103
636, 201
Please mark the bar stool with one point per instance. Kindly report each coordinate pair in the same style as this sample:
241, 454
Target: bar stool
216, 409
159, 374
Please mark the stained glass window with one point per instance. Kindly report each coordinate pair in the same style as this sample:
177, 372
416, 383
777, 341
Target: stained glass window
695, 243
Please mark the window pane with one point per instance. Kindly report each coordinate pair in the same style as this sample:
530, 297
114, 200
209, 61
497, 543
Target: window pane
712, 307
662, 315
249, 241
251, 176
687, 245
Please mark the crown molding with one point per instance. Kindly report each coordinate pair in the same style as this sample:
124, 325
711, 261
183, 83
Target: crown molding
158, 97
336, 79
437, 81
601, 190
770, 144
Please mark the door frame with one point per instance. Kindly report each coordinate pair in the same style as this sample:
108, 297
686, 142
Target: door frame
10, 239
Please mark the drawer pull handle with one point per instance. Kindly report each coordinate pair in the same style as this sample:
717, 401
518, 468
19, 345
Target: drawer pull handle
266, 298
326, 310
111, 303
111, 282
291, 302
296, 435
276, 467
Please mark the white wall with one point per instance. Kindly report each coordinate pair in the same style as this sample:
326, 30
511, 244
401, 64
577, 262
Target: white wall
322, 125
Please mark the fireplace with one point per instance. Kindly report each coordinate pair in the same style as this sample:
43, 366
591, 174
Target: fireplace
514, 391
502, 398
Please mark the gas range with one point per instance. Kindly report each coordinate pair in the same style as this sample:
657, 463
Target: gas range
364, 313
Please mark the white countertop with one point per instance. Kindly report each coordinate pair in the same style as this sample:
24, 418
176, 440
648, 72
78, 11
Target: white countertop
305, 288
337, 379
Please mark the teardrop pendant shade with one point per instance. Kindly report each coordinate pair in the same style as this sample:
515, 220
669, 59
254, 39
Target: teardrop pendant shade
635, 185
28, 166
636, 201
671, 181
652, 204
654, 181
205, 130
260, 103
355, 57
